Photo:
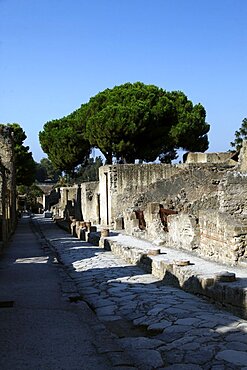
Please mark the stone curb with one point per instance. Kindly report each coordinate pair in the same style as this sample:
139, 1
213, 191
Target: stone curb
228, 295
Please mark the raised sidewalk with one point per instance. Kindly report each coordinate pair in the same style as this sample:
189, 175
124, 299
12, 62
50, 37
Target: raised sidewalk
226, 285
223, 284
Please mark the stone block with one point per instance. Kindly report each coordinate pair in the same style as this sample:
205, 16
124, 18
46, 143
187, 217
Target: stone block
104, 233
93, 238
225, 276
48, 214
82, 234
153, 252
119, 223
135, 223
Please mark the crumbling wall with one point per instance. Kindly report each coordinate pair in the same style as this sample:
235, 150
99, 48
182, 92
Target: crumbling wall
223, 237
195, 186
188, 189
243, 157
183, 232
210, 200
7, 185
123, 186
65, 208
90, 205
220, 157
197, 207
233, 193
50, 197
80, 202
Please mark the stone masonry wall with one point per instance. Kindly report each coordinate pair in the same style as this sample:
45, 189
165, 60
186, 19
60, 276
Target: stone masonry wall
223, 238
188, 190
90, 202
8, 185
221, 157
191, 185
211, 205
183, 232
197, 207
233, 193
65, 206
243, 157
122, 186
78, 201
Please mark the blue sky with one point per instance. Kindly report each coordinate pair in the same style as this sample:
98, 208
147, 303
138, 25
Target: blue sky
56, 54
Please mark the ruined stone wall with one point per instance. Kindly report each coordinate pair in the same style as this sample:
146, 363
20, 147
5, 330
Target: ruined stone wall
211, 203
183, 232
221, 157
123, 186
138, 177
79, 201
223, 238
243, 157
233, 193
209, 199
65, 206
8, 185
90, 202
188, 189
215, 224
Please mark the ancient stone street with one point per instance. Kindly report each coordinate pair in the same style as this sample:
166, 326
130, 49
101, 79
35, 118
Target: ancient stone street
40, 328
156, 325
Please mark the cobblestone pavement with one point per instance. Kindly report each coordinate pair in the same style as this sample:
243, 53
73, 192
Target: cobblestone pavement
159, 326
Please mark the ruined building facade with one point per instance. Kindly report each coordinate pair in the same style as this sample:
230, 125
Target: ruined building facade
7, 186
199, 206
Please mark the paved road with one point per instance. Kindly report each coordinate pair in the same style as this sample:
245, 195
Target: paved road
160, 327
42, 328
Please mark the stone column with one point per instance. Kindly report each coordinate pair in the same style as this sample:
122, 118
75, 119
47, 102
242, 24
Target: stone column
243, 157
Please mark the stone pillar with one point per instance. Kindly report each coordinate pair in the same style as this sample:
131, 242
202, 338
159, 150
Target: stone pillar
44, 201
243, 157
73, 227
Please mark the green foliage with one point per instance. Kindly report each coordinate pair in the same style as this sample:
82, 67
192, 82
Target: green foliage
137, 121
45, 170
24, 162
30, 195
89, 172
240, 135
129, 121
63, 140
32, 191
41, 173
25, 166
189, 130
21, 189
168, 155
